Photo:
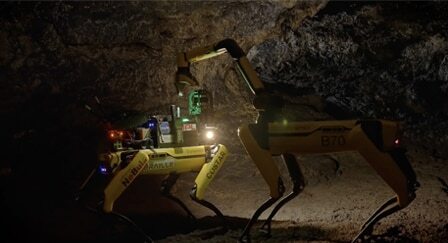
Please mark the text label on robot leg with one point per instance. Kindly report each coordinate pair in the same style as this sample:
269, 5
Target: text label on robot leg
216, 165
134, 171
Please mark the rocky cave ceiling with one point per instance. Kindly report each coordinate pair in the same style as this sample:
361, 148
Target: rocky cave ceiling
383, 60
338, 59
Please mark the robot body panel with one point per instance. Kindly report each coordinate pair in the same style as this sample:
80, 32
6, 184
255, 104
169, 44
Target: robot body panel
162, 161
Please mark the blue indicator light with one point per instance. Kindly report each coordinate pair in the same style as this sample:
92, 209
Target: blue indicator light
103, 170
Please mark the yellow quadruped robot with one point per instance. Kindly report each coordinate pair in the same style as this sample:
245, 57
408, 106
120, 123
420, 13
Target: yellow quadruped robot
167, 145
378, 141
205, 159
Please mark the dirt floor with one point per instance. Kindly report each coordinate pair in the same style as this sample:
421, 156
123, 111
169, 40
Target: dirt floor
341, 191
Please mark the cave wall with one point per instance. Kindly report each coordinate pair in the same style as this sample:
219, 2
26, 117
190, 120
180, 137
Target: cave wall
56, 56
371, 60
122, 52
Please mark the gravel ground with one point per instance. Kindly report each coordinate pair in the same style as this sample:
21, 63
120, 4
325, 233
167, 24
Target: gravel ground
335, 203
341, 192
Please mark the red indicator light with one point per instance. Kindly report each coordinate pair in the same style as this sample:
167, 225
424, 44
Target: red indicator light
397, 141
116, 135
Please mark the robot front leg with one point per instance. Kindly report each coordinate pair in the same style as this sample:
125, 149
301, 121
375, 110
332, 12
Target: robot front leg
298, 184
165, 189
207, 204
218, 154
385, 210
245, 236
266, 165
402, 180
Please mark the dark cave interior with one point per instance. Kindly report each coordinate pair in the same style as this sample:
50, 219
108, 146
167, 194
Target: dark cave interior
328, 60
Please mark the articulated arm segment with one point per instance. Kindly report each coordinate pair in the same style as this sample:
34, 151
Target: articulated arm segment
184, 77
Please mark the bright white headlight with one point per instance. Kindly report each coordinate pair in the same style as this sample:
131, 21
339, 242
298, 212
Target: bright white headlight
210, 134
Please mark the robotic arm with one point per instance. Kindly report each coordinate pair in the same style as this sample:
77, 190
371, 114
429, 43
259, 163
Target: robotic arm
184, 77
267, 104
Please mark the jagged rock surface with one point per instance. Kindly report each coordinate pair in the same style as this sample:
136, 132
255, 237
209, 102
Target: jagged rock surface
56, 56
374, 60
370, 59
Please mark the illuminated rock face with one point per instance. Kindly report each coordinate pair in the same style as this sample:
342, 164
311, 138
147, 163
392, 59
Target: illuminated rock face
364, 58
375, 60
384, 60
124, 52
55, 57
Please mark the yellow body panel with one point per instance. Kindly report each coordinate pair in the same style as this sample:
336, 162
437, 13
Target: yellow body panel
310, 137
175, 160
162, 161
